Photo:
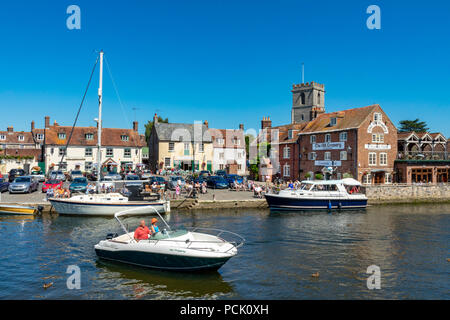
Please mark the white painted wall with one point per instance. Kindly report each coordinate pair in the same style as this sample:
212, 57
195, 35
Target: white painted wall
229, 154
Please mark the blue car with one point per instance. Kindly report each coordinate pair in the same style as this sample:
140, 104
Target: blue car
79, 185
231, 178
217, 182
4, 184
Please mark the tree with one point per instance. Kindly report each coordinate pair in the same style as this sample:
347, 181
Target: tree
413, 125
149, 126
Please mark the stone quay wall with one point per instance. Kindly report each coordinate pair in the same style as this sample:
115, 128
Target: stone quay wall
407, 193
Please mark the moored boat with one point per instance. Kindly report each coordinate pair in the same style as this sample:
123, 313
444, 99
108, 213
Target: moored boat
320, 194
7, 209
175, 250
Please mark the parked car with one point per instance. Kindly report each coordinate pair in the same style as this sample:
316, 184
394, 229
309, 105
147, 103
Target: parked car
132, 180
159, 180
38, 175
145, 175
114, 176
75, 174
233, 177
217, 182
173, 181
14, 173
52, 184
24, 184
108, 182
221, 173
205, 173
79, 185
58, 175
4, 184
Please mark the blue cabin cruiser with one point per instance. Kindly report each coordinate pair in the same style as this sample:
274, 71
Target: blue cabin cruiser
320, 194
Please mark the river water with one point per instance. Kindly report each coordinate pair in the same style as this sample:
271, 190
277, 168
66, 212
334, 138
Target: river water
409, 243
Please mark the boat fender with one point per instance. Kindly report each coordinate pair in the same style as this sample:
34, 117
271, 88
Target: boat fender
40, 208
329, 205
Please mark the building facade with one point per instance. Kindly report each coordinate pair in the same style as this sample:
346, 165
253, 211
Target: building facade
229, 152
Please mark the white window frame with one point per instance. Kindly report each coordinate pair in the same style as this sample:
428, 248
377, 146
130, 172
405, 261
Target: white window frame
327, 156
286, 170
387, 178
377, 137
171, 146
343, 136
127, 153
124, 137
2, 137
89, 136
343, 155
201, 147
110, 152
372, 156
383, 159
167, 162
62, 136
333, 121
328, 137
62, 151
287, 152
367, 179
88, 152
312, 156
377, 116
21, 138
312, 139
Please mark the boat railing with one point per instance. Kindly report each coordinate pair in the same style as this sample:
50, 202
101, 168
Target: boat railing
238, 243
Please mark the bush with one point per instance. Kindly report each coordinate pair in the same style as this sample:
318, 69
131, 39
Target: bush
319, 176
347, 175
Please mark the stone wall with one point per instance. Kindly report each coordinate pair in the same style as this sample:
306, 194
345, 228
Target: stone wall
408, 193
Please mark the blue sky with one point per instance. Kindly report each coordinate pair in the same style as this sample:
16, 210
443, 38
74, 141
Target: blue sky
227, 62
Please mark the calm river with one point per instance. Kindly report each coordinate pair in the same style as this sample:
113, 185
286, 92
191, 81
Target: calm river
409, 243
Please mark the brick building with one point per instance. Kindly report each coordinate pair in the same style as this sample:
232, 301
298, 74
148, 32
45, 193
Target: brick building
361, 142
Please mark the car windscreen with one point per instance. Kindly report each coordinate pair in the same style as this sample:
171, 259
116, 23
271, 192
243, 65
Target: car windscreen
80, 180
53, 181
22, 179
76, 172
132, 178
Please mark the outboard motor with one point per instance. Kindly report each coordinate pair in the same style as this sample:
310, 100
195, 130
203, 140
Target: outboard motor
40, 208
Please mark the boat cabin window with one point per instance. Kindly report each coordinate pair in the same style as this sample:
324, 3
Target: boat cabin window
353, 189
324, 187
305, 186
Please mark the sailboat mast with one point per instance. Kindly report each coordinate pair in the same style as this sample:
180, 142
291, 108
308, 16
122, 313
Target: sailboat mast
100, 87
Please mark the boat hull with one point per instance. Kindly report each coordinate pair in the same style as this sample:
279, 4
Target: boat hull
65, 207
296, 203
161, 261
16, 210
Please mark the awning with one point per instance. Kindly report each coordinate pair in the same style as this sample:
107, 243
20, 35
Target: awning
378, 170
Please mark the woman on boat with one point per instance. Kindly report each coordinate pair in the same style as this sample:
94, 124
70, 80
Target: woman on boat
154, 228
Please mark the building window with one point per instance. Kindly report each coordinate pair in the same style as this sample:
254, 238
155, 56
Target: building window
88, 166
312, 139
302, 96
61, 136
290, 134
343, 155
328, 137
221, 166
286, 170
21, 138
221, 155
377, 117
171, 146
377, 138
239, 155
62, 151
239, 166
343, 136
127, 153
303, 117
219, 140
367, 179
327, 156
186, 148
236, 141
124, 137
167, 162
383, 159
312, 156
40, 136
89, 136
333, 122
109, 152
88, 152
372, 159
2, 137
287, 152
201, 147
387, 178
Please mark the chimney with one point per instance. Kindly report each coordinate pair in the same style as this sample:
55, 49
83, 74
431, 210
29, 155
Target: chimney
10, 129
266, 123
55, 123
241, 126
47, 122
206, 124
135, 126
155, 118
32, 125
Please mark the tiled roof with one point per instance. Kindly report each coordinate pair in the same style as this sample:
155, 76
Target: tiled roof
175, 131
110, 136
13, 137
228, 136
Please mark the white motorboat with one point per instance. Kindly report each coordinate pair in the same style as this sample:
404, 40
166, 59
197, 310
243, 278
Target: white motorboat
176, 250
105, 204
320, 194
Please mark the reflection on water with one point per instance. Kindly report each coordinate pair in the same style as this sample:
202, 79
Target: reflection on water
410, 244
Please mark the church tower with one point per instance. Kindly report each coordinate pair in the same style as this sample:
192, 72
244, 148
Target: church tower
308, 101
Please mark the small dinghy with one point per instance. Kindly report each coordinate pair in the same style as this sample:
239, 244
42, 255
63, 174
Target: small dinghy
177, 250
8, 209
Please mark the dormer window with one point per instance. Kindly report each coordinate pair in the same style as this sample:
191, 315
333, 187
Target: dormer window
290, 134
2, 137
40, 136
89, 136
333, 122
21, 138
124, 137
61, 136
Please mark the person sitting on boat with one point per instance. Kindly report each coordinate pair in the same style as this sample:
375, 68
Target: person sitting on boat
142, 232
154, 227
290, 185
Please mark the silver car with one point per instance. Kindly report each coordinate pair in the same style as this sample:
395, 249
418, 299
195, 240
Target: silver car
25, 184
173, 181
75, 174
114, 176
57, 175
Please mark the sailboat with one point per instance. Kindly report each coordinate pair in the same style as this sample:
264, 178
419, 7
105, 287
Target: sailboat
105, 204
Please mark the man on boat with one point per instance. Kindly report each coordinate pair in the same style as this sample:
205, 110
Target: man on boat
142, 232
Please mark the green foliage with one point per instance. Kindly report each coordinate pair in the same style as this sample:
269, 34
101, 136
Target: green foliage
413, 125
307, 175
149, 125
10, 157
319, 176
347, 175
